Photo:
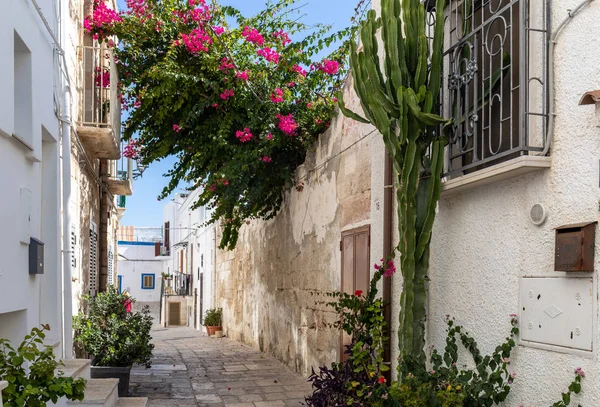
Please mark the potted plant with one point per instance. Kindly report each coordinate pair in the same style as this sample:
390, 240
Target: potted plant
30, 373
114, 338
213, 320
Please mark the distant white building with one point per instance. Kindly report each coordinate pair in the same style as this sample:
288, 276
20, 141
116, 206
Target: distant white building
188, 261
139, 268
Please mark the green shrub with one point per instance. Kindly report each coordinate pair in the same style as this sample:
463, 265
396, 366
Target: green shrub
213, 317
111, 335
30, 371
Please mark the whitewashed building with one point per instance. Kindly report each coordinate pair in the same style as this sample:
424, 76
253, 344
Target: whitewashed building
140, 267
188, 262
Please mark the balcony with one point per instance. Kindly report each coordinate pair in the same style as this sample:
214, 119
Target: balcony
120, 177
99, 121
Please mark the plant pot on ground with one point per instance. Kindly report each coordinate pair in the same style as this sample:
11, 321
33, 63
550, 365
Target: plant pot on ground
213, 320
114, 338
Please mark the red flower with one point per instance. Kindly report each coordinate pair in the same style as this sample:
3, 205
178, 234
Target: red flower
381, 380
358, 293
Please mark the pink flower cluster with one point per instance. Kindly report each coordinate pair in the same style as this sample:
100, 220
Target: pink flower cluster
102, 16
269, 54
329, 67
102, 78
265, 159
283, 37
277, 96
218, 29
197, 41
389, 270
269, 136
252, 35
227, 93
176, 128
287, 124
137, 7
242, 75
243, 135
131, 150
299, 70
226, 65
201, 13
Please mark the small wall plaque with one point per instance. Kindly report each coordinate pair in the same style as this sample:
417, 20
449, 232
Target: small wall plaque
574, 250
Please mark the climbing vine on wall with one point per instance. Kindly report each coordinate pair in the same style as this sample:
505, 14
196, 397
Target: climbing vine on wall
238, 100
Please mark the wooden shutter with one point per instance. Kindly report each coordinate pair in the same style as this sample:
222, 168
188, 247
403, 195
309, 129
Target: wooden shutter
167, 237
157, 249
93, 270
356, 271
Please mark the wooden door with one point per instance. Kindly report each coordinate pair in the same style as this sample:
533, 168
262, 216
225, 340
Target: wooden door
175, 313
355, 247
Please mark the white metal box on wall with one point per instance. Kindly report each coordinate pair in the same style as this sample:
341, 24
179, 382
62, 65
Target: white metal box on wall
557, 311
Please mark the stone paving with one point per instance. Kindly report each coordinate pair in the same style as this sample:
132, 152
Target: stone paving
191, 369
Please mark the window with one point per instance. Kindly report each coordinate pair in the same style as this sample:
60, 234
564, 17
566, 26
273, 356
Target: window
120, 282
93, 271
167, 239
147, 281
495, 81
23, 92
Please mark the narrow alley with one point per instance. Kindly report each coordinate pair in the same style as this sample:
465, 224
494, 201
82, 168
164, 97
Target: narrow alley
189, 369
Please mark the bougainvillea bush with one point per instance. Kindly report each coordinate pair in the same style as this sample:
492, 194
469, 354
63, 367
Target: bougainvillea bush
238, 100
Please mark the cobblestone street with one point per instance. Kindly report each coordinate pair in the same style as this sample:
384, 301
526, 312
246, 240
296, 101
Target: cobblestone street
194, 370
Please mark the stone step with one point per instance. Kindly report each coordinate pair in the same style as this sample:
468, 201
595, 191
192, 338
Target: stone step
132, 402
76, 368
99, 393
2, 387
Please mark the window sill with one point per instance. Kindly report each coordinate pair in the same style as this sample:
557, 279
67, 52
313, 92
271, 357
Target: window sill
509, 169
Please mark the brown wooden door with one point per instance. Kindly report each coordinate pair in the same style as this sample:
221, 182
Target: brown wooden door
174, 313
355, 246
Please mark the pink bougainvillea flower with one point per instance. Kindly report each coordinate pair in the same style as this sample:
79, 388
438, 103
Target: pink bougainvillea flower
265, 159
212, 187
299, 70
291, 84
242, 75
176, 128
309, 105
390, 270
329, 67
252, 35
318, 122
226, 182
358, 293
269, 54
579, 372
102, 79
226, 65
102, 17
227, 93
283, 37
197, 41
377, 267
277, 96
218, 29
215, 105
287, 124
243, 135
269, 136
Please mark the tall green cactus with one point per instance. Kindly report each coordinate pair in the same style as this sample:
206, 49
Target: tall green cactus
399, 94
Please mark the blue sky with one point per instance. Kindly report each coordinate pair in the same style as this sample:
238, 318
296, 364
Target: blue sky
143, 208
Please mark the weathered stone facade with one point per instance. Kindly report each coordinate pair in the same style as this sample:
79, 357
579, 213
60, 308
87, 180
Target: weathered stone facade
270, 285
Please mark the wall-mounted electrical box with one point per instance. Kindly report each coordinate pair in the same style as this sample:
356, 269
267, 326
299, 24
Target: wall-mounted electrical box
557, 311
574, 250
36, 256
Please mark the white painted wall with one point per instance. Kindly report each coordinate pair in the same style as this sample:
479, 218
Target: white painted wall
26, 301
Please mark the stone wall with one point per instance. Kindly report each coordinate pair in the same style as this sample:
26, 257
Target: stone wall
270, 284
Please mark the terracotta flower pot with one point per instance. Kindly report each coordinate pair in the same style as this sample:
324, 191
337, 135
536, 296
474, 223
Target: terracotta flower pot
210, 330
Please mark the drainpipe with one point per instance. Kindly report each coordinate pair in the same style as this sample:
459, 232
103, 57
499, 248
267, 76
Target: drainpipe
551, 84
67, 299
387, 251
214, 269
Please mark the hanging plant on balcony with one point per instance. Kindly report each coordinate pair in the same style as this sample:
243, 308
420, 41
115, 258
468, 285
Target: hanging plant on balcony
238, 100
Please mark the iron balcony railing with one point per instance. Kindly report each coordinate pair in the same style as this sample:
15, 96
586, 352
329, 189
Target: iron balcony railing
494, 82
99, 101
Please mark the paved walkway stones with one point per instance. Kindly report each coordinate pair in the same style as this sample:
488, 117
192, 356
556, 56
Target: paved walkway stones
189, 369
